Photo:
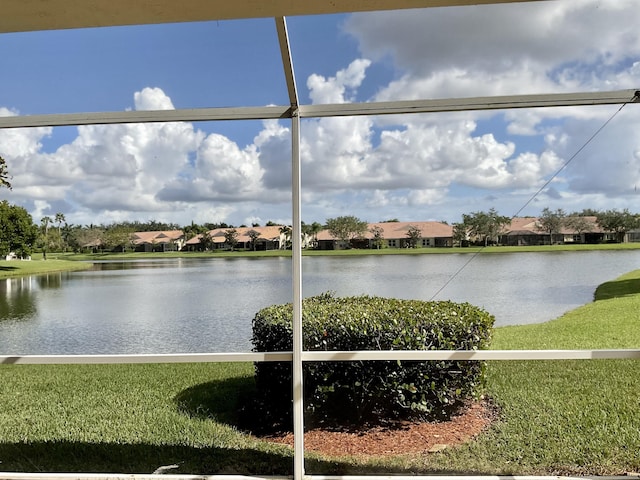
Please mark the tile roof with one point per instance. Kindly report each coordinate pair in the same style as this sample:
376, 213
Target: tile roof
529, 226
217, 234
166, 236
396, 230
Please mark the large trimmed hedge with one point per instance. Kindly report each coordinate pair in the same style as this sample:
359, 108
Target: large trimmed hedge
371, 391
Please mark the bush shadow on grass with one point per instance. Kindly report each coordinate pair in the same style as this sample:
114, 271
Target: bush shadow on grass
84, 457
65, 456
219, 401
233, 401
617, 288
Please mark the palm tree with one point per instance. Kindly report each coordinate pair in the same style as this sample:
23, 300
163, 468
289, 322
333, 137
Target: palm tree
286, 232
44, 224
315, 229
60, 219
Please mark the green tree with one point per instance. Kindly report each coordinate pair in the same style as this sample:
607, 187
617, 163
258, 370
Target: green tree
485, 226
206, 240
85, 237
43, 237
4, 174
118, 237
253, 236
17, 232
586, 212
286, 232
459, 233
618, 222
231, 238
50, 242
193, 230
378, 236
578, 224
551, 222
305, 229
414, 234
347, 228
60, 219
60, 242
312, 231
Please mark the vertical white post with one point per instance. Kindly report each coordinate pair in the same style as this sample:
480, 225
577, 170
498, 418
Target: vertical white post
296, 237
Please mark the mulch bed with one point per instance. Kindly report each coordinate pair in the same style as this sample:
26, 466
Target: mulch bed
399, 439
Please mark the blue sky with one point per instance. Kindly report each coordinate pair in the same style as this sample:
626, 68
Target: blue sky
413, 167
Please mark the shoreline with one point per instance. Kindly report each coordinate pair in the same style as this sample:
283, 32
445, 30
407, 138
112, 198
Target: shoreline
63, 262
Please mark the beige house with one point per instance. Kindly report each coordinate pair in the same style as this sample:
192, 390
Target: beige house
527, 231
165, 241
393, 235
268, 238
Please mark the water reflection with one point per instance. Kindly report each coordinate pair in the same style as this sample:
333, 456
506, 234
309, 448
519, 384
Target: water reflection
16, 301
138, 264
49, 280
206, 305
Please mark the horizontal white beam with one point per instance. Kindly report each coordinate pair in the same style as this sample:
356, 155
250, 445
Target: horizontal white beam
472, 103
333, 356
146, 358
29, 15
470, 355
327, 110
147, 116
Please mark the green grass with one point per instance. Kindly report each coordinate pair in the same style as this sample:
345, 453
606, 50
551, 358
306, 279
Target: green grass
17, 268
126, 418
556, 417
143, 255
352, 252
611, 321
566, 417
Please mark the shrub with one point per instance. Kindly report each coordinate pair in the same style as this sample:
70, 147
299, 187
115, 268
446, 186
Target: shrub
371, 391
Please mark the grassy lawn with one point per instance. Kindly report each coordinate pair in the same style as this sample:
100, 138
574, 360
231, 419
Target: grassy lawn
37, 266
556, 417
384, 251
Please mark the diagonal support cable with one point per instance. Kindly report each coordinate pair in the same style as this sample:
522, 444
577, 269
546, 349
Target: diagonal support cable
634, 99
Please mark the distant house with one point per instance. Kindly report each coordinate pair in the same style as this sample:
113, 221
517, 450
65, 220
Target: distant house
268, 238
393, 235
633, 236
523, 231
165, 241
93, 246
526, 231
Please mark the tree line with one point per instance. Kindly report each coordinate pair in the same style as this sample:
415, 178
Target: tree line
485, 227
19, 234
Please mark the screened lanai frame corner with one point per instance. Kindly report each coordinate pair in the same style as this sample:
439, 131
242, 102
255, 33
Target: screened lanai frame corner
31, 15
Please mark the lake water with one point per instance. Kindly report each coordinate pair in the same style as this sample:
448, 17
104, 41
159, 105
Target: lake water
206, 305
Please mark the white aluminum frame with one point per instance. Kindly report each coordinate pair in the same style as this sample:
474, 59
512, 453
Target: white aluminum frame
295, 113
324, 356
616, 97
